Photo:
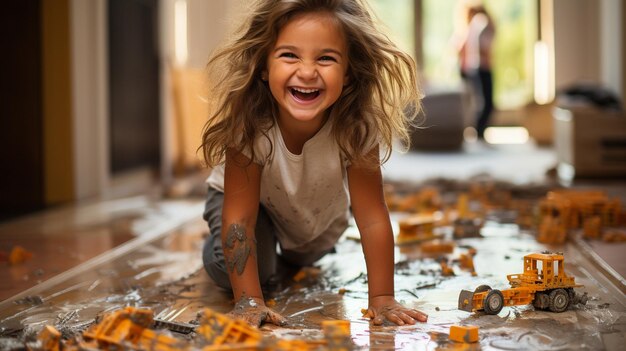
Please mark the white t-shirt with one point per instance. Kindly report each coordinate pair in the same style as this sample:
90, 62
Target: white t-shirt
305, 195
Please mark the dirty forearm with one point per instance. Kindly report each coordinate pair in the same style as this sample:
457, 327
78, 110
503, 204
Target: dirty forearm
242, 180
240, 259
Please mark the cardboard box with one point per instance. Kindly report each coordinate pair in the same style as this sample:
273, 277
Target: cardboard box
589, 142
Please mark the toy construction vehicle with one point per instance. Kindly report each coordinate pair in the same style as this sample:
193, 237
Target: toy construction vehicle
219, 330
562, 210
130, 329
543, 283
124, 329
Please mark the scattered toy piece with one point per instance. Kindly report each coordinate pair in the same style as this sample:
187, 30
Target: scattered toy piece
416, 228
128, 327
219, 329
614, 236
299, 276
562, 210
306, 272
337, 334
464, 333
437, 247
467, 228
49, 339
552, 230
592, 227
446, 270
466, 261
19, 255
179, 327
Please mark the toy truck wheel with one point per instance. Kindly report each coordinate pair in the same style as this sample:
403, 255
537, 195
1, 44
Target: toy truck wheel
559, 300
542, 301
494, 301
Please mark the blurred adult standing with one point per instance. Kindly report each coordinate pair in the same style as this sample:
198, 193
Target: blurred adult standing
475, 63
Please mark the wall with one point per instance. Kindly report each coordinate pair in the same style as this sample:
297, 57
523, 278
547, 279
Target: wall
184, 95
208, 23
90, 98
21, 125
589, 43
57, 102
623, 57
577, 48
611, 38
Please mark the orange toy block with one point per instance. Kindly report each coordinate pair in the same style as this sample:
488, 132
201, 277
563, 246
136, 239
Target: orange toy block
50, 338
19, 255
336, 327
464, 333
437, 247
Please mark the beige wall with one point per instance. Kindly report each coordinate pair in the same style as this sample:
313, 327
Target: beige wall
623, 60
184, 94
611, 33
577, 44
208, 23
89, 97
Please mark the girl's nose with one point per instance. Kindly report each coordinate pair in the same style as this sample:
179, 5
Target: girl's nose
307, 71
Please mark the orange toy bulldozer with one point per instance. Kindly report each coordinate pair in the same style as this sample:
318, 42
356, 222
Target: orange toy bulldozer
544, 283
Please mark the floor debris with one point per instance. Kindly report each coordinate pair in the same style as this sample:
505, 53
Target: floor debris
499, 224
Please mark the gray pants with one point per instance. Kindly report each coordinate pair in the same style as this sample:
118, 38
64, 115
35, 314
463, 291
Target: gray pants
268, 260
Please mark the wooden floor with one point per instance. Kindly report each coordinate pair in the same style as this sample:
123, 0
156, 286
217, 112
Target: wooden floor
140, 252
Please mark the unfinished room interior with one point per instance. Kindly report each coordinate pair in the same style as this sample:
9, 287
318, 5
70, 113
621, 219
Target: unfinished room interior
509, 237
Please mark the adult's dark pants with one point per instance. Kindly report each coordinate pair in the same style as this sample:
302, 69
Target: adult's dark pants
482, 82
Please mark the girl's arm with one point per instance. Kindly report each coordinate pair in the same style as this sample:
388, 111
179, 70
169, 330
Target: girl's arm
372, 219
242, 181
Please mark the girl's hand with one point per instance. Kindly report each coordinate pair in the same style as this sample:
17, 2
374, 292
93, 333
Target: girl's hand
254, 311
384, 308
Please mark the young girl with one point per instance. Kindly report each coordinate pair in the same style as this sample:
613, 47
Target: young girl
306, 96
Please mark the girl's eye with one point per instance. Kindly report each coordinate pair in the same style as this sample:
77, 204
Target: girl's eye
328, 58
288, 55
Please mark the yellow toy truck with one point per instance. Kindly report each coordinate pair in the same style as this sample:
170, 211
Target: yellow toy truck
544, 283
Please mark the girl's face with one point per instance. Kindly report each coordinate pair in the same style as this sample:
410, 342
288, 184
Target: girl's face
307, 67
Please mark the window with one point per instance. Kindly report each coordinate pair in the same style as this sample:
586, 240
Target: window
516, 33
399, 18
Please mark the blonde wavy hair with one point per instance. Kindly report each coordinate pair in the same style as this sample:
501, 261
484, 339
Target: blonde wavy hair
380, 102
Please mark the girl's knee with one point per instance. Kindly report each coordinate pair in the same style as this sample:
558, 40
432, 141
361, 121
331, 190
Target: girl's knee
217, 273
214, 266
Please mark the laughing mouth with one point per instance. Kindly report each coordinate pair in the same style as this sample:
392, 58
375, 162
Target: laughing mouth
305, 94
